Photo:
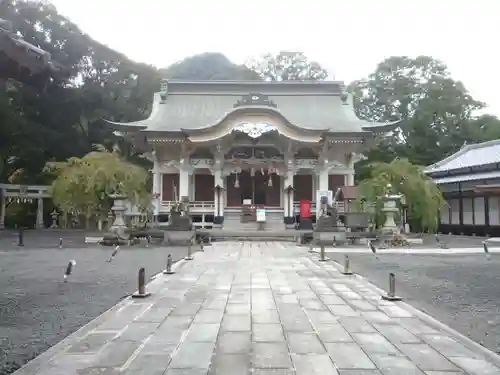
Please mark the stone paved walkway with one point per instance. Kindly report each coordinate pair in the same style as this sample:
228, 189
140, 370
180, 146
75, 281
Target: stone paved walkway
262, 308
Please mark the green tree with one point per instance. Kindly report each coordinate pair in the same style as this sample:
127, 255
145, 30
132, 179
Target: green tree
423, 197
287, 66
82, 185
437, 111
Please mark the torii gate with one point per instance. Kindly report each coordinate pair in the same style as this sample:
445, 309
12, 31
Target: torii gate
21, 194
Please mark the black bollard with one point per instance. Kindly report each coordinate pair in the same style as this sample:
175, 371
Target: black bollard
60, 243
201, 244
334, 241
169, 270
347, 266
69, 269
486, 250
322, 257
391, 294
141, 289
20, 242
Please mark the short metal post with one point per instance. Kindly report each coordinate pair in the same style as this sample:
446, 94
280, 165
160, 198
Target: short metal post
347, 265
334, 241
201, 244
311, 246
69, 269
391, 294
486, 250
141, 289
169, 270
60, 243
322, 254
20, 242
189, 251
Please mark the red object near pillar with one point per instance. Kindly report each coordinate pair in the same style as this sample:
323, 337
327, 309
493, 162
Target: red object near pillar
305, 209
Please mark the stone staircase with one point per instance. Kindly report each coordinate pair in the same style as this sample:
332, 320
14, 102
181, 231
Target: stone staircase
232, 221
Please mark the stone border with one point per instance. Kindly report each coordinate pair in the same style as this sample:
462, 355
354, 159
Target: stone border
39, 361
464, 340
409, 251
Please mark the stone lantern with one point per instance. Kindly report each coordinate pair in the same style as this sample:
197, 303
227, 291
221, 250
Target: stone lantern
390, 209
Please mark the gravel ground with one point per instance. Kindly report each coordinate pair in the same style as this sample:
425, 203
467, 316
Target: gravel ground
462, 291
37, 310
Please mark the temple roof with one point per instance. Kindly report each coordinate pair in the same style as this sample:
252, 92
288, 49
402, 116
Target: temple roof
198, 105
470, 156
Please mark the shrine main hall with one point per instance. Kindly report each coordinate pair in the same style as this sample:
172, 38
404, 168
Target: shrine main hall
223, 144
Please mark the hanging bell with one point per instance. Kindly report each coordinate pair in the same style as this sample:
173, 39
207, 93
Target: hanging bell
270, 182
236, 183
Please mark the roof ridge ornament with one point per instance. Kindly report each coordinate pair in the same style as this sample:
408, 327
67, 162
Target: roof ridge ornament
255, 99
163, 90
253, 130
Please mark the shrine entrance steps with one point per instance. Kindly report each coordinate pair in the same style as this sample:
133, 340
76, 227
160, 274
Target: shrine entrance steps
232, 221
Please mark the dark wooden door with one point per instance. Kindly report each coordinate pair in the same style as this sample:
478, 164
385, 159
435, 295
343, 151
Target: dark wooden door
302, 183
169, 183
203, 187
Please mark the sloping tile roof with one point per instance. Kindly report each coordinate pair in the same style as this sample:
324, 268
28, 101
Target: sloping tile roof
469, 156
192, 110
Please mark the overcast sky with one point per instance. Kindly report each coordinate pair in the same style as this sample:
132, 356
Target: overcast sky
348, 37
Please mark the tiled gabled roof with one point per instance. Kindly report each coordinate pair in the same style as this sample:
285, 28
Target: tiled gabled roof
469, 156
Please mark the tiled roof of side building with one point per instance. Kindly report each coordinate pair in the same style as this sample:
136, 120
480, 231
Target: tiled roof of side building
469, 156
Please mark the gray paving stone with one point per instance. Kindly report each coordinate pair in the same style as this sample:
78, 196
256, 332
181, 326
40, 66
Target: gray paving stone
476, 366
333, 333
306, 294
343, 310
360, 372
188, 371
356, 325
186, 309
209, 316
272, 371
217, 304
426, 358
270, 355
444, 373
167, 336
116, 353
239, 297
362, 305
313, 304
390, 365
138, 331
298, 325
193, 355
91, 343
148, 364
416, 326
202, 332
332, 299
376, 317
238, 308
176, 322
154, 315
267, 333
396, 312
265, 316
322, 317
99, 371
397, 334
448, 346
375, 343
304, 343
348, 356
230, 364
313, 365
236, 323
234, 343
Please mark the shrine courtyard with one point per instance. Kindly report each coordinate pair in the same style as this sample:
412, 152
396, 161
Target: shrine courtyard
241, 308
